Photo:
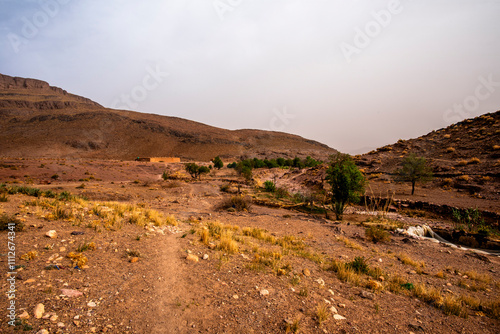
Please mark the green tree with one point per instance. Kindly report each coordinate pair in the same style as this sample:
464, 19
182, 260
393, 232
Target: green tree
346, 182
414, 169
203, 170
192, 169
218, 162
196, 171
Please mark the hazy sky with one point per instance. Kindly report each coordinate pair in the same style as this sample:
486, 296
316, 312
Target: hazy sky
352, 74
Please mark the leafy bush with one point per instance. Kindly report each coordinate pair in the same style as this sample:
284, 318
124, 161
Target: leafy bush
218, 162
269, 186
196, 171
359, 265
346, 181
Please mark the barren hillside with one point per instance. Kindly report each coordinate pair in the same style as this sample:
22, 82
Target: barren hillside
38, 120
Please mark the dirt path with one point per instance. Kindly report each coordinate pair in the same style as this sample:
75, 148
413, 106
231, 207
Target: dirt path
170, 289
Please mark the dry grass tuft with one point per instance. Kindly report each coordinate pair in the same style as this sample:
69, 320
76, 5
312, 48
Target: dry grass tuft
322, 313
349, 243
377, 234
405, 259
474, 275
31, 255
227, 243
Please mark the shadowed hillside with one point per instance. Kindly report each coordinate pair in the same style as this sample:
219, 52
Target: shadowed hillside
37, 120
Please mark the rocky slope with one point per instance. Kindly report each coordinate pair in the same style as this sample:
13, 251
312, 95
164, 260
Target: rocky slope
38, 120
464, 156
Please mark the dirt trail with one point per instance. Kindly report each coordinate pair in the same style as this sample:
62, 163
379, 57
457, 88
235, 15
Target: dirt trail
170, 289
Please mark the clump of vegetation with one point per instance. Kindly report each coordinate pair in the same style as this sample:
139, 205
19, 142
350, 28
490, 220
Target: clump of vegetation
4, 198
86, 246
196, 171
346, 181
413, 169
217, 162
238, 203
78, 259
275, 163
281, 192
359, 265
10, 223
227, 243
269, 186
471, 218
349, 243
377, 234
31, 255
405, 259
322, 313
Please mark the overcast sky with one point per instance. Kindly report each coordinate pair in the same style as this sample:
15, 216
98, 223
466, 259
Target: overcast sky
354, 75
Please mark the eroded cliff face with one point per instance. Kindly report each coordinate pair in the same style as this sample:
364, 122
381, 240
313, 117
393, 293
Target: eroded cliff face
13, 92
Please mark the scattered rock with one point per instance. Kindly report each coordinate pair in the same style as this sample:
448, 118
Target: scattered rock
413, 272
134, 259
91, 304
71, 293
61, 325
338, 317
235, 296
367, 295
320, 281
192, 257
24, 316
28, 281
205, 256
341, 305
333, 310
264, 292
306, 272
39, 310
62, 249
331, 291
42, 331
51, 234
54, 318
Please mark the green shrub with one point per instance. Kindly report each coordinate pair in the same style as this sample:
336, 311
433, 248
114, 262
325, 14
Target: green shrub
359, 265
269, 186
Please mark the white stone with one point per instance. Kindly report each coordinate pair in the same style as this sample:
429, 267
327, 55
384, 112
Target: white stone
39, 310
51, 234
338, 317
264, 292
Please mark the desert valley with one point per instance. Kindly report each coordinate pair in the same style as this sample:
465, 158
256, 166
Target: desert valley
95, 240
